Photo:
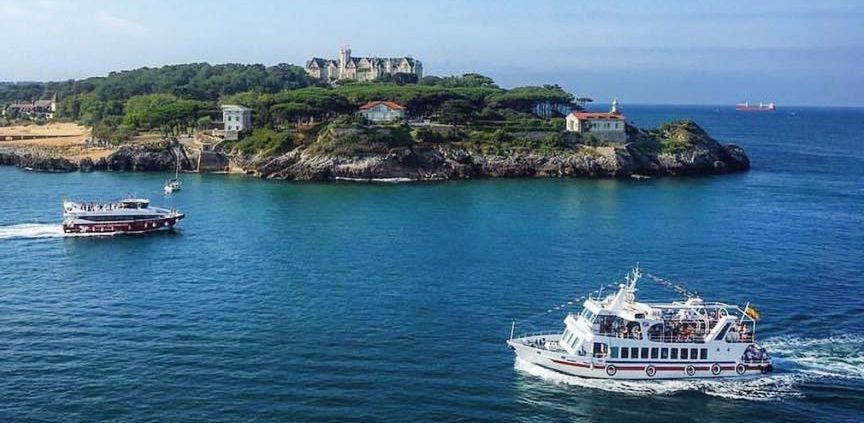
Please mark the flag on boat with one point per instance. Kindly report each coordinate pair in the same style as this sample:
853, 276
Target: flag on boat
752, 312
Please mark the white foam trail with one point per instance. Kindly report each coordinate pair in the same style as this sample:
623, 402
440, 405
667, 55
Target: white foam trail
796, 361
756, 389
31, 230
840, 356
41, 230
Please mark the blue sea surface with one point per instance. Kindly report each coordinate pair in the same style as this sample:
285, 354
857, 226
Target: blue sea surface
279, 301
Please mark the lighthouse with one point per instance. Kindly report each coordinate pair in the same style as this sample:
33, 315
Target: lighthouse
615, 109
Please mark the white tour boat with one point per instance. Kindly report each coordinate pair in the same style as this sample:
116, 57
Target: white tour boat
130, 215
617, 337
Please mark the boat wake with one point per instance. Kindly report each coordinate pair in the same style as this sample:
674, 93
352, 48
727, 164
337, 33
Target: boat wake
39, 230
31, 230
797, 361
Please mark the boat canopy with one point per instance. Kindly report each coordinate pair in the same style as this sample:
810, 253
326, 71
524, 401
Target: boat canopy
135, 203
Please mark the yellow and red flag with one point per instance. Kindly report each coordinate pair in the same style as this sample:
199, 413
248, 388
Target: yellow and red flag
752, 312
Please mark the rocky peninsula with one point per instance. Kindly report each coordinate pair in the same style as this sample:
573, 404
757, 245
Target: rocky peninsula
387, 153
284, 123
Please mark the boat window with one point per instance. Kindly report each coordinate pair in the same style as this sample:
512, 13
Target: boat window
703, 354
588, 315
614, 352
674, 355
694, 352
574, 342
600, 349
625, 352
664, 353
684, 354
644, 352
654, 353
634, 352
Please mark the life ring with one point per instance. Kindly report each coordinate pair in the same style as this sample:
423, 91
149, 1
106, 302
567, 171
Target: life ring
715, 369
611, 370
690, 370
740, 369
650, 371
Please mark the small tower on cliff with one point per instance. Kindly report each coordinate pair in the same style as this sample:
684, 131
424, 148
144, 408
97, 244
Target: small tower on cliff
615, 109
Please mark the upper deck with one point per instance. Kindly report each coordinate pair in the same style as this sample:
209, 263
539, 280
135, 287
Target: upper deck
621, 317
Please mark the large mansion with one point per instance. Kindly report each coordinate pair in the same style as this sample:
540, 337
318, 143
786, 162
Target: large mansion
361, 68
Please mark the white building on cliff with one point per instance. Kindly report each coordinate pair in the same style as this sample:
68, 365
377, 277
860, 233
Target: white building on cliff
610, 126
361, 68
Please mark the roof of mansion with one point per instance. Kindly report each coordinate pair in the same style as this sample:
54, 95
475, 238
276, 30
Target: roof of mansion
374, 61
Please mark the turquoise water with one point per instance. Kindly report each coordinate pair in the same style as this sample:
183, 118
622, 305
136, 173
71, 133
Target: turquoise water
316, 302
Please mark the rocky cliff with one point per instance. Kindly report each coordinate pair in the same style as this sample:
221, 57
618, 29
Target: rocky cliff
680, 148
127, 158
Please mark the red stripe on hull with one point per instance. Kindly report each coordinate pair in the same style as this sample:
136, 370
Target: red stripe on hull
137, 226
568, 363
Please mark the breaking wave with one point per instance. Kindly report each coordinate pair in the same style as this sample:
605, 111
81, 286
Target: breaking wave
796, 360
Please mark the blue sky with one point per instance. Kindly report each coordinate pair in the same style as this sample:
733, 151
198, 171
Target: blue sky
683, 52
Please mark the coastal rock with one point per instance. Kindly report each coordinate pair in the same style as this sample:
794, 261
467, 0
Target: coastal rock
45, 164
8, 159
680, 148
141, 158
85, 164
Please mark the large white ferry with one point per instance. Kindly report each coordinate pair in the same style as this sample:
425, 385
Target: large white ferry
617, 337
130, 215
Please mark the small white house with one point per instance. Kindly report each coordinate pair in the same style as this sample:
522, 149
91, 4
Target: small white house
236, 118
382, 111
610, 126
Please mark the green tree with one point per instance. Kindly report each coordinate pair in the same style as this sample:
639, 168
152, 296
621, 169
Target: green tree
456, 112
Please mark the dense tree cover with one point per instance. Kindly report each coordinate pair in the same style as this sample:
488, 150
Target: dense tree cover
454, 100
180, 98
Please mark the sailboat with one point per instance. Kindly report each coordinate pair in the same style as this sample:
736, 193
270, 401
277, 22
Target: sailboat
173, 185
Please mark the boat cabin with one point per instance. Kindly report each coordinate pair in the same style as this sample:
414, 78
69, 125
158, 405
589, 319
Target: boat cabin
134, 203
625, 325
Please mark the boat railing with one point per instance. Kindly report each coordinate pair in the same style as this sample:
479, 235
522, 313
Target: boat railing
536, 334
694, 339
613, 334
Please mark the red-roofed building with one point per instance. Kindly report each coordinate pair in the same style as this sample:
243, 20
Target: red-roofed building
382, 111
610, 126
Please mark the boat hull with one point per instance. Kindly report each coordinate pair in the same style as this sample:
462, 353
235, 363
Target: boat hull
635, 370
135, 226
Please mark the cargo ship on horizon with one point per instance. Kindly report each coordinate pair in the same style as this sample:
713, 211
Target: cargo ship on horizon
761, 107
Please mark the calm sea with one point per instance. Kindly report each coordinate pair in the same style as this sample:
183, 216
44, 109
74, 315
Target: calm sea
324, 302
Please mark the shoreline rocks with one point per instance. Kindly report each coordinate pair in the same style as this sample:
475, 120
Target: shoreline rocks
683, 149
677, 149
